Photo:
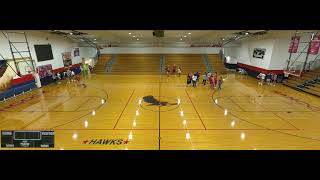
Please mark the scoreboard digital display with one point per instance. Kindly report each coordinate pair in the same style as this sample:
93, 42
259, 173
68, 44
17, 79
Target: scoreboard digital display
27, 139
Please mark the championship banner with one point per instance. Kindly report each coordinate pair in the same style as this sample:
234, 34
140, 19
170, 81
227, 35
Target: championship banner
315, 44
43, 70
294, 44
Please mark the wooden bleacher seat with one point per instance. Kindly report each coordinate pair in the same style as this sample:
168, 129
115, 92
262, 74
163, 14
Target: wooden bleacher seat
139, 64
309, 82
189, 63
100, 67
217, 63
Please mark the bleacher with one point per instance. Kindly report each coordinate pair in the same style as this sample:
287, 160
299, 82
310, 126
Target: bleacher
100, 67
188, 62
309, 82
217, 63
138, 64
18, 86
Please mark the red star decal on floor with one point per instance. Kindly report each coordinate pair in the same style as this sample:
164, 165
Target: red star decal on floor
85, 142
126, 141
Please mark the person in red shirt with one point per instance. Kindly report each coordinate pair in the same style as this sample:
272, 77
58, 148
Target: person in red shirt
215, 77
211, 81
167, 70
174, 69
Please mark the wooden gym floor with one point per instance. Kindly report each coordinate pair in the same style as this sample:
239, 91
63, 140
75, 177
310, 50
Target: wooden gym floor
243, 115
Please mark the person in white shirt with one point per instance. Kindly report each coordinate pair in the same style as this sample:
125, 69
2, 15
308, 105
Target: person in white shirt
69, 75
204, 78
194, 80
274, 79
179, 71
73, 76
262, 77
59, 76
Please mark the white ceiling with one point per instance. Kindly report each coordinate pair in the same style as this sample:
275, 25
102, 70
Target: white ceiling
172, 38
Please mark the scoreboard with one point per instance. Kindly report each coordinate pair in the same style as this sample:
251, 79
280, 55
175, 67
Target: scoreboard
27, 139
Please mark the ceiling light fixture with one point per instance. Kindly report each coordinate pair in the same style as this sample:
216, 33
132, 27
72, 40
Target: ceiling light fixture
71, 33
134, 36
129, 33
189, 33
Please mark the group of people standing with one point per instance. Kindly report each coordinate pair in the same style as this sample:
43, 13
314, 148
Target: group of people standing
71, 75
173, 70
270, 78
214, 79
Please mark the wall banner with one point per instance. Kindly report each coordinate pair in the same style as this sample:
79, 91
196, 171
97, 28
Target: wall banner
293, 48
315, 44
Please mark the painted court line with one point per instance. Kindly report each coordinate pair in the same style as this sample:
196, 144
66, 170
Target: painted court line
124, 109
196, 110
285, 120
175, 129
42, 115
82, 104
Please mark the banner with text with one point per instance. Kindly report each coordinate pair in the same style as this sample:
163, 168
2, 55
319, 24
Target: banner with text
315, 44
294, 44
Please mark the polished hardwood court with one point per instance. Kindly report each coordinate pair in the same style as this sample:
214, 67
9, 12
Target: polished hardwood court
122, 112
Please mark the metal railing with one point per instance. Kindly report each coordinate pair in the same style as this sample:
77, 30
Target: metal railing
110, 63
209, 66
162, 63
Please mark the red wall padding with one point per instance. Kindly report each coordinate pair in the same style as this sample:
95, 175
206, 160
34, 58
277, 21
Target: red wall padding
29, 77
23, 79
257, 69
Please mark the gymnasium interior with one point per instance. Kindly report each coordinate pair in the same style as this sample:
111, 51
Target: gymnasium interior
128, 90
